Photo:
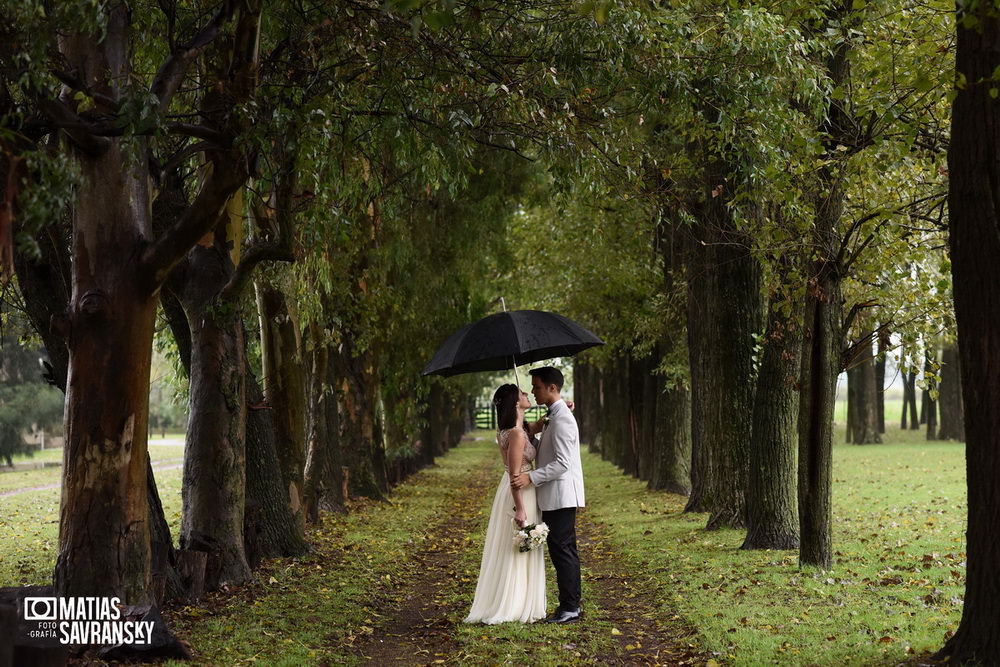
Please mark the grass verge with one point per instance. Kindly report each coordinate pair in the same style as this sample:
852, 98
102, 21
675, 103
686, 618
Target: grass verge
895, 589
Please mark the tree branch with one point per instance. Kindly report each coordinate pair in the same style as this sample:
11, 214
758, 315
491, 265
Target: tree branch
259, 252
853, 313
199, 132
77, 85
181, 155
198, 219
171, 74
79, 130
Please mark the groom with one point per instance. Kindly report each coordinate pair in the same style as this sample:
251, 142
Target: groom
559, 482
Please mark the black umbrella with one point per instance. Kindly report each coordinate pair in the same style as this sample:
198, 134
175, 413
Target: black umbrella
505, 340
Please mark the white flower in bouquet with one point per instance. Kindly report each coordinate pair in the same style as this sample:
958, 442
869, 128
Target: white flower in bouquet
531, 536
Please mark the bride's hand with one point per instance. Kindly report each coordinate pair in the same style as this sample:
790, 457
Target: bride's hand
520, 517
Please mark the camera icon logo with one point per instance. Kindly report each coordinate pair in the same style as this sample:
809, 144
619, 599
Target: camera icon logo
40, 609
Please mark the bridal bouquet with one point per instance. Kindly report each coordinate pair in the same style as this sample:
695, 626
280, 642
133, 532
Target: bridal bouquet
531, 536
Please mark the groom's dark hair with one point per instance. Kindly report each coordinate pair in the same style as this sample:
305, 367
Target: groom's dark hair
548, 375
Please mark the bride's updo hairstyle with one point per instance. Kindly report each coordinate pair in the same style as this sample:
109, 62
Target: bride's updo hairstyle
505, 402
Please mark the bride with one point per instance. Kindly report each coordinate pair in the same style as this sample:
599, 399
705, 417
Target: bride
511, 584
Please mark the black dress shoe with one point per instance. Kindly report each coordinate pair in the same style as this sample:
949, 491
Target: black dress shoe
562, 616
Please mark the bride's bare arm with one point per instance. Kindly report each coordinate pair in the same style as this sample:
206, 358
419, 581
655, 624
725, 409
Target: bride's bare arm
515, 451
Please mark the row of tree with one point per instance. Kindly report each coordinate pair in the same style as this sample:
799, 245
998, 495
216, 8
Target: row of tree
742, 201
272, 197
777, 208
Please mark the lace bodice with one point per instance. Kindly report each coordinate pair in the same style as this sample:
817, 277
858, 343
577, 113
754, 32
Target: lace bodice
527, 458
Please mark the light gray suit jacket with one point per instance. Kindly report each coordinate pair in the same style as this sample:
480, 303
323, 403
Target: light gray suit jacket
559, 476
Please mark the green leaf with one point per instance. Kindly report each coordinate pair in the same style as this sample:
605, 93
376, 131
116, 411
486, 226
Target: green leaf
923, 83
437, 20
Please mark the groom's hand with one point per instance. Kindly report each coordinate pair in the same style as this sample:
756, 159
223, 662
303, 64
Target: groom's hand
520, 481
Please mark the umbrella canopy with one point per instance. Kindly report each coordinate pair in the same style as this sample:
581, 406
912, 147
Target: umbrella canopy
505, 340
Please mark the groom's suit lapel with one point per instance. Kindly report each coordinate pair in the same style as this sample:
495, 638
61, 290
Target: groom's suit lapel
547, 429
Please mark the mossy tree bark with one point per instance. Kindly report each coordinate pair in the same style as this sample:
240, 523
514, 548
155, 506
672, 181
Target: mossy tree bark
973, 161
284, 390
772, 512
952, 425
725, 314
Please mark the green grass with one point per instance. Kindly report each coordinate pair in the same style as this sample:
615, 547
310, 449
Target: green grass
157, 451
38, 456
24, 479
29, 527
374, 548
896, 586
316, 607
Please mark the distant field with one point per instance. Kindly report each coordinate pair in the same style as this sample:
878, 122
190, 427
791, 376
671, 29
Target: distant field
29, 523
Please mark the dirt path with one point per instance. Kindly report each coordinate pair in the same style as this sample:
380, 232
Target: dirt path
418, 630
163, 465
647, 634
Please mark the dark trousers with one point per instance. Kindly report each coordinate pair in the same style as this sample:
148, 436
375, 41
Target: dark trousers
562, 551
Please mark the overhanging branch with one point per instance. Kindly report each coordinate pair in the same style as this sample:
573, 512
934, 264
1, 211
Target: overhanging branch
260, 252
197, 220
171, 74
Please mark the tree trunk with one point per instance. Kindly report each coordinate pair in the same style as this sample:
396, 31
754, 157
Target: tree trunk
314, 480
215, 447
119, 265
284, 390
973, 160
599, 417
772, 518
580, 385
883, 347
725, 315
672, 444
818, 386
925, 398
44, 286
636, 408
699, 462
269, 531
914, 419
930, 403
823, 335
950, 396
165, 577
336, 498
435, 415
619, 439
906, 399
864, 418
852, 401
364, 454
104, 531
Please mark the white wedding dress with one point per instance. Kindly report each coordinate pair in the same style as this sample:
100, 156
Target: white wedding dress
511, 584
